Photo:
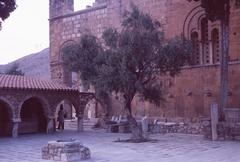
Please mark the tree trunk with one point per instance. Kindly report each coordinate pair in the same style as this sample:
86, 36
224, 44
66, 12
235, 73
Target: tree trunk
137, 134
106, 109
224, 64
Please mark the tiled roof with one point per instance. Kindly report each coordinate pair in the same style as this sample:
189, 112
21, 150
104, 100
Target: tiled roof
29, 83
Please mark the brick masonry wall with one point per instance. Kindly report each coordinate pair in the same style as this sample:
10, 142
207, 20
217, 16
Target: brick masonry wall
191, 94
234, 33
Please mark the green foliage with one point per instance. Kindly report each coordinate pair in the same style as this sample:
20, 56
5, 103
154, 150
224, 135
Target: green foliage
175, 54
82, 56
6, 7
131, 61
14, 70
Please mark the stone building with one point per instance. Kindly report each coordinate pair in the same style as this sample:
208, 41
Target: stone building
29, 105
190, 94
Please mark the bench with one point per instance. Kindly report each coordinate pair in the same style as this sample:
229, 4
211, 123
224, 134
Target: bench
162, 127
117, 125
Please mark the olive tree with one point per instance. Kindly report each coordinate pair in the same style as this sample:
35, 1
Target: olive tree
129, 62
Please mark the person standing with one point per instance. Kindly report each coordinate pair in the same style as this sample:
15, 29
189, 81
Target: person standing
61, 115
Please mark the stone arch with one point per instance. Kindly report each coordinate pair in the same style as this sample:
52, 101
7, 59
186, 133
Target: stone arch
191, 20
79, 102
197, 26
85, 100
62, 46
200, 20
43, 101
194, 21
34, 115
90, 109
6, 116
71, 110
67, 103
65, 73
10, 106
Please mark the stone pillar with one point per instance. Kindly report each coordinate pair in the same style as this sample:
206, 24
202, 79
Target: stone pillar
145, 126
214, 121
15, 127
80, 123
50, 125
84, 98
80, 114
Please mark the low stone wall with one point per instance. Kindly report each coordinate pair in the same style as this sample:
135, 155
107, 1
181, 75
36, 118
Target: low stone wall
225, 130
180, 127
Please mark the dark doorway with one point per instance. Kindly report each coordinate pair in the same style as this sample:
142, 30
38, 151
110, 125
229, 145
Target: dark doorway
32, 116
5, 122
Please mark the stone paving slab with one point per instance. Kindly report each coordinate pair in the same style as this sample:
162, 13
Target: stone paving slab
169, 148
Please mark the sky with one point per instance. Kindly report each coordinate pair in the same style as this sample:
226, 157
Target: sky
26, 31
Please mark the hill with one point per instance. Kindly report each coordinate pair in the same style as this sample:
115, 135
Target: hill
36, 65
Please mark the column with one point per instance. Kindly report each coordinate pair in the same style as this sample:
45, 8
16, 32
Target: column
84, 98
80, 123
50, 125
15, 123
80, 113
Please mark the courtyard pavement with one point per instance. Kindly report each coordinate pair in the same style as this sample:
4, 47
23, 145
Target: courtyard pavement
169, 148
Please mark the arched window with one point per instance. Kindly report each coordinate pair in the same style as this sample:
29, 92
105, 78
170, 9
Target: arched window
205, 42
196, 52
215, 45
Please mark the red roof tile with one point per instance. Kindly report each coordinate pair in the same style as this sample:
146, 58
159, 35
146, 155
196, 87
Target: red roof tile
24, 82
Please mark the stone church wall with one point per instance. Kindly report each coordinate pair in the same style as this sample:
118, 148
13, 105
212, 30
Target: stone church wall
191, 93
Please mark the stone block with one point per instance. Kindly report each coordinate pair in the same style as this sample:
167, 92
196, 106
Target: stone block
85, 153
65, 151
